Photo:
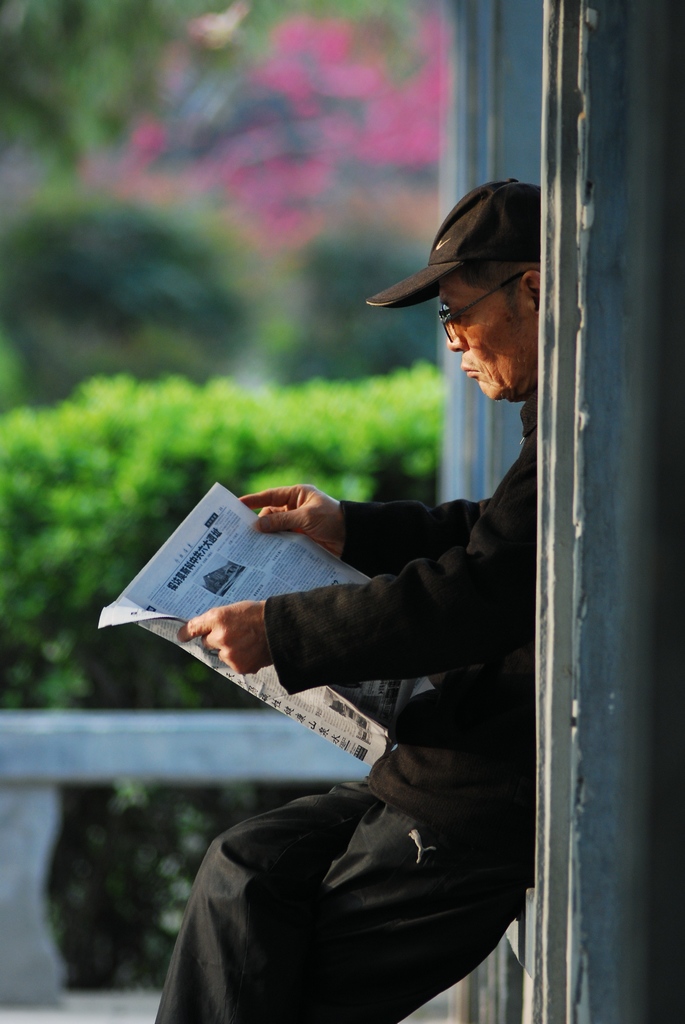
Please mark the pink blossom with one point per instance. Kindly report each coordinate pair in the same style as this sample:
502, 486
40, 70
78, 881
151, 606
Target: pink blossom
355, 81
321, 104
285, 75
328, 39
149, 138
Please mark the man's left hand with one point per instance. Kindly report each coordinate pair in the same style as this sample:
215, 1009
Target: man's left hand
237, 633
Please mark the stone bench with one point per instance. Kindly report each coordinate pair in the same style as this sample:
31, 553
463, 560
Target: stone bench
40, 751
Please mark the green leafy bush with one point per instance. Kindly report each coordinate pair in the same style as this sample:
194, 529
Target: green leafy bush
89, 489
328, 330
91, 286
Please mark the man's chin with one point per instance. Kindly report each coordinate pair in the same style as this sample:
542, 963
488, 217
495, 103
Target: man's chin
492, 391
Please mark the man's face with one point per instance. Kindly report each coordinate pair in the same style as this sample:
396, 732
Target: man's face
498, 337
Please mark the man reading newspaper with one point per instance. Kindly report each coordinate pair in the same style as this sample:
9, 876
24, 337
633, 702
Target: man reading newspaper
360, 905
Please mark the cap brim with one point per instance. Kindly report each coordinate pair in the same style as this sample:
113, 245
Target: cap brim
418, 288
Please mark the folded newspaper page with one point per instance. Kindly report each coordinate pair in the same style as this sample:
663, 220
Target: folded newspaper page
217, 557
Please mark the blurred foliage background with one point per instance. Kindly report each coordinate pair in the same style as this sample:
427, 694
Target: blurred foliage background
212, 193
195, 199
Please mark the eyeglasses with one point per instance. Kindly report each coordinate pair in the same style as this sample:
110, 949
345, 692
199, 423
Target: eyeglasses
446, 315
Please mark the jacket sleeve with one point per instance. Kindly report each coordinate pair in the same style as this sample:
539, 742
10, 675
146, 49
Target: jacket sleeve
468, 603
381, 537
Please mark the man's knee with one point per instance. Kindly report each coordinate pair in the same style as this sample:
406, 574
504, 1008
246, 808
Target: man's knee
290, 847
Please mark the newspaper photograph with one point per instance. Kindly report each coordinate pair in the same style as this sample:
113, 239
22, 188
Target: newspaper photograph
217, 556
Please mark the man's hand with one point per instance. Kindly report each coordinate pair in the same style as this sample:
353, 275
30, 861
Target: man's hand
236, 632
301, 509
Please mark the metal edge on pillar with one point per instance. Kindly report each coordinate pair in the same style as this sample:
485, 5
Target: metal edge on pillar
559, 326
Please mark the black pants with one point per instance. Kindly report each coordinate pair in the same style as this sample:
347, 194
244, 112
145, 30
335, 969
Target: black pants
335, 909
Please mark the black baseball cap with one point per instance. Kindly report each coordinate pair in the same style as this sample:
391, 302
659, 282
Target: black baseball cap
496, 221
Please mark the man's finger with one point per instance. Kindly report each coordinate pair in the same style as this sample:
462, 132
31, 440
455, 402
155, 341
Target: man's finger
275, 522
275, 496
192, 628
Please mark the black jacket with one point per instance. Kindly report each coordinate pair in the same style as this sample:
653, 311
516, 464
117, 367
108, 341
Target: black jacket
452, 596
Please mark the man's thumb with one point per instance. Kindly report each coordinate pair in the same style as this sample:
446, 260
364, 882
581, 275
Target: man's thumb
275, 522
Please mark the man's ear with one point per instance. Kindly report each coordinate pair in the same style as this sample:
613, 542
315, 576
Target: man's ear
530, 287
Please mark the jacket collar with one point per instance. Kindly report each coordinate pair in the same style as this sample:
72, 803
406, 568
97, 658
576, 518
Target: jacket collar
529, 414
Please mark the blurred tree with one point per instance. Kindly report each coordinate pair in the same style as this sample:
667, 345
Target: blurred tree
88, 288
96, 288
331, 332
73, 71
12, 386
319, 114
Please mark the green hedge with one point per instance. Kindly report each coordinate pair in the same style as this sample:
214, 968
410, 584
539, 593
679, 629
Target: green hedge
90, 488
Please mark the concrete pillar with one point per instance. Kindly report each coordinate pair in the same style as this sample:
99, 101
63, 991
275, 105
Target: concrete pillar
604, 468
612, 541
492, 131
31, 970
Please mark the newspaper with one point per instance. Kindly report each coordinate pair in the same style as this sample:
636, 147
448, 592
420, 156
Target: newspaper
217, 556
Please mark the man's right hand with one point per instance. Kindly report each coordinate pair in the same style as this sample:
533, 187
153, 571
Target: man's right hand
300, 509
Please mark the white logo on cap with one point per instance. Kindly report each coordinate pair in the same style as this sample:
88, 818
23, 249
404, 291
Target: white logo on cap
440, 244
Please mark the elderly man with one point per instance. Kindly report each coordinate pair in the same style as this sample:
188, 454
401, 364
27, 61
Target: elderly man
359, 905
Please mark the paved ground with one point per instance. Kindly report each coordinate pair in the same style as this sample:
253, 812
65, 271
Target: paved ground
86, 1008
140, 1008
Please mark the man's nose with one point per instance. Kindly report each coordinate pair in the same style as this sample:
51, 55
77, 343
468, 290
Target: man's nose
456, 341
